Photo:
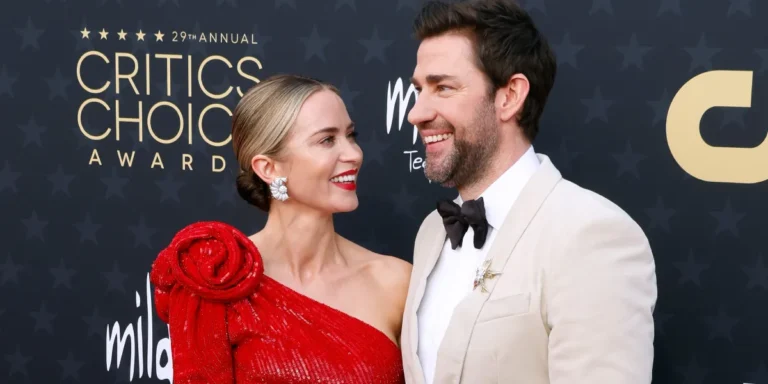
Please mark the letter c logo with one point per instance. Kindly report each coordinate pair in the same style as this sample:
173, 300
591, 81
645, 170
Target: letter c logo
701, 160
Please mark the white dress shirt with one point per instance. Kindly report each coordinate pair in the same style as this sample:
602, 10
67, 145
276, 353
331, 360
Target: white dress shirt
454, 273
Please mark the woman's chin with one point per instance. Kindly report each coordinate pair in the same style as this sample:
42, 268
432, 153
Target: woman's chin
347, 205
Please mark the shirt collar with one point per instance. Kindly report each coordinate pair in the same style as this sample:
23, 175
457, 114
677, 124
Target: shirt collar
502, 193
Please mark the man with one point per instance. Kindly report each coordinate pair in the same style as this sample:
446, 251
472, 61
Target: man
525, 277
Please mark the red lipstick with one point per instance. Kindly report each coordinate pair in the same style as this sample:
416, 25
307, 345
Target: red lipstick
350, 184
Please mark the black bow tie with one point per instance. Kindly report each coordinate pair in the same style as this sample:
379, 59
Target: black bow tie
458, 219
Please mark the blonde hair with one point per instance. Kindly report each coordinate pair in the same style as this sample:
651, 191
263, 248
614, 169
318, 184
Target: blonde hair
261, 123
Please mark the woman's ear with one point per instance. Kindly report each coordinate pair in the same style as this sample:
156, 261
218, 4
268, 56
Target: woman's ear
264, 168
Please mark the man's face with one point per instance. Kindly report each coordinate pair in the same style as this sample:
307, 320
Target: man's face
454, 112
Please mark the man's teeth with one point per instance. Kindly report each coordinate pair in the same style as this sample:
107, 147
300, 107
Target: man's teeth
344, 179
437, 138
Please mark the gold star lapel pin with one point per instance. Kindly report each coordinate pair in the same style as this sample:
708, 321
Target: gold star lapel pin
483, 273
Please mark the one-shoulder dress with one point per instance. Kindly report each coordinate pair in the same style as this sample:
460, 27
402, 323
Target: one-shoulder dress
229, 323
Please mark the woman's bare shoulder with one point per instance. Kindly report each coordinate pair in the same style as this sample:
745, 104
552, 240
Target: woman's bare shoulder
391, 271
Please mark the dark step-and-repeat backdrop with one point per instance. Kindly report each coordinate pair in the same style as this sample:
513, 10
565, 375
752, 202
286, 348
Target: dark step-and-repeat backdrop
115, 134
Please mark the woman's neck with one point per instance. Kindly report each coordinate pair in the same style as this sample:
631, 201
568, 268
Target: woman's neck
303, 242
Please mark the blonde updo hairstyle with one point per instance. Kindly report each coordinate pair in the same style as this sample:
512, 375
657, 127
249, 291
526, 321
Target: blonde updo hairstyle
261, 123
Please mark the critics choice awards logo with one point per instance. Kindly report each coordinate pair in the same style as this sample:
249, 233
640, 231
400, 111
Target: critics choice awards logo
163, 100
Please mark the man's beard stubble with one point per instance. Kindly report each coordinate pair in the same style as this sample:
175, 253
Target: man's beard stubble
470, 156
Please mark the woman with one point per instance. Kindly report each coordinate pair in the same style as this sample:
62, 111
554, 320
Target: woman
295, 302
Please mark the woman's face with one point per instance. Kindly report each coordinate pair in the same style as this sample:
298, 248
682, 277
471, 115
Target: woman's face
321, 159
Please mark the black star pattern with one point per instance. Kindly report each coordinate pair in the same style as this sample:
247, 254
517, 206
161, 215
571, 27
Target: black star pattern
70, 367
566, 51
30, 35
669, 6
374, 148
9, 271
693, 372
142, 234
115, 184
195, 47
35, 226
87, 229
348, 3
289, 3
62, 275
60, 181
58, 85
601, 5
659, 215
226, 192
43, 319
6, 82
758, 275
690, 270
536, 5
762, 53
597, 106
411, 4
733, 116
115, 279
628, 161
32, 131
566, 156
169, 188
740, 6
660, 320
660, 107
721, 325
314, 45
633, 53
727, 220
257, 49
348, 95
137, 146
18, 363
375, 47
702, 54
8, 178
403, 202
96, 324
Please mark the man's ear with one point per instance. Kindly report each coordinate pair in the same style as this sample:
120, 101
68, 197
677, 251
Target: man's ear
264, 168
511, 97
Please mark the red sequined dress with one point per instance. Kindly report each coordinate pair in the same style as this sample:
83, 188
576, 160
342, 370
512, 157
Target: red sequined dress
229, 323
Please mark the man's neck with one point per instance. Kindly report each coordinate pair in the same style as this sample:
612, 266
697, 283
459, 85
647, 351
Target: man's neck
496, 167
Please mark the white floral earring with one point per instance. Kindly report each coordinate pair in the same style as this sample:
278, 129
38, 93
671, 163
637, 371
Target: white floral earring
278, 188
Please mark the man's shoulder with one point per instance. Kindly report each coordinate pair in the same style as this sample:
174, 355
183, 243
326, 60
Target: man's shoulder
580, 206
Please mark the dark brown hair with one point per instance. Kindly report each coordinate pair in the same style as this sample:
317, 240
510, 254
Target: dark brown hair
506, 42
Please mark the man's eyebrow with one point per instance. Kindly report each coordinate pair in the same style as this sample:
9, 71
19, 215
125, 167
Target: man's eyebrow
433, 79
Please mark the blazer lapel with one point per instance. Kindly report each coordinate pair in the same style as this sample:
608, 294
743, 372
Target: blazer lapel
425, 258
453, 349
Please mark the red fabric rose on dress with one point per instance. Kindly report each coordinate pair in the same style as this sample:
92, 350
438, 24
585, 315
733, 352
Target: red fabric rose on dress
210, 259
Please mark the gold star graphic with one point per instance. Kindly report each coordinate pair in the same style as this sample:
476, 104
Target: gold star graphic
103, 34
86, 33
140, 35
122, 34
159, 35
